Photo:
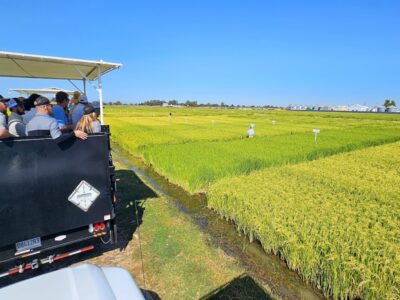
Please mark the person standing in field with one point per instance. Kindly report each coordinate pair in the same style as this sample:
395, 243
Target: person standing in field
250, 132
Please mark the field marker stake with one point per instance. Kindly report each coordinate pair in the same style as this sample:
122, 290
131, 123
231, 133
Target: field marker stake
316, 131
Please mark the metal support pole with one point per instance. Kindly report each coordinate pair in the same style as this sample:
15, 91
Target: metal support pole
84, 85
100, 91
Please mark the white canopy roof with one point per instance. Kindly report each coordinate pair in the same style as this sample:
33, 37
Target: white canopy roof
50, 90
37, 66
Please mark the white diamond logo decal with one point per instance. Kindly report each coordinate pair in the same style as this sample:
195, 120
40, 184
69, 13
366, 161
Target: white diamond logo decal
84, 195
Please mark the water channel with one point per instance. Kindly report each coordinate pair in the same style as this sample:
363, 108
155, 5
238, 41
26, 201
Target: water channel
266, 268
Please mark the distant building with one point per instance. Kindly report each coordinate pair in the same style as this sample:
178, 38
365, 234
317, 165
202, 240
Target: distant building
358, 107
340, 108
325, 108
378, 109
381, 109
393, 109
297, 107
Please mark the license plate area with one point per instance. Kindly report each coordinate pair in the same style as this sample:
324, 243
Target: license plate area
28, 244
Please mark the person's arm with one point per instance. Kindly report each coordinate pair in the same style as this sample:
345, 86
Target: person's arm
4, 133
66, 128
20, 129
58, 136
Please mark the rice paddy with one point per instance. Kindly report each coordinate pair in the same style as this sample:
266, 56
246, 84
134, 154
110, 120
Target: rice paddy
328, 207
334, 220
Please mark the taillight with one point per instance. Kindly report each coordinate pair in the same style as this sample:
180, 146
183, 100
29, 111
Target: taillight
97, 227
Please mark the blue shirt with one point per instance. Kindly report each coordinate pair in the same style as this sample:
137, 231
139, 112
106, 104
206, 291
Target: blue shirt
76, 114
29, 115
60, 116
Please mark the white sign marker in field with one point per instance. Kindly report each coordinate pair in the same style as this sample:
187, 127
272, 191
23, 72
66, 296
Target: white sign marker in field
273, 122
316, 131
84, 195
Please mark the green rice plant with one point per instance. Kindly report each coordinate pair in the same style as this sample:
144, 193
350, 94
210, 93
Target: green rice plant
134, 128
196, 165
334, 220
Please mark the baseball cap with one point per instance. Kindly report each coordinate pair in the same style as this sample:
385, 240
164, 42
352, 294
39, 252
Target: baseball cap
83, 99
41, 101
13, 103
96, 104
88, 109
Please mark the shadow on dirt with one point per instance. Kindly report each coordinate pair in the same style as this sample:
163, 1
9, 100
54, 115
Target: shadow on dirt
242, 287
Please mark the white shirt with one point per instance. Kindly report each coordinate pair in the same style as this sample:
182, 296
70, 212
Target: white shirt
96, 126
250, 132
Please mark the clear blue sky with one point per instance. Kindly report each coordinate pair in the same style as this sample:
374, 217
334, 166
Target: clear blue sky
240, 52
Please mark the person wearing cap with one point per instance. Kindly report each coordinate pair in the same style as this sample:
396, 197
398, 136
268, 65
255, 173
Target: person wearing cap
42, 124
89, 123
60, 112
16, 125
77, 111
96, 106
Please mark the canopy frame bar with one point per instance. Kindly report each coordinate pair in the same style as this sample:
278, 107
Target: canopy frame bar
71, 82
100, 91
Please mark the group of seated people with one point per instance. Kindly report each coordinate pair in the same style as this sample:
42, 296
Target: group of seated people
37, 116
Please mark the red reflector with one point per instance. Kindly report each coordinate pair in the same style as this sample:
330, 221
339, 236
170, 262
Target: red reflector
102, 225
96, 227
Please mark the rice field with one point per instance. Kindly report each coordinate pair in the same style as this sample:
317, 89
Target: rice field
334, 220
329, 208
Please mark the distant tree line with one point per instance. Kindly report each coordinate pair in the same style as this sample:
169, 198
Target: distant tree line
190, 103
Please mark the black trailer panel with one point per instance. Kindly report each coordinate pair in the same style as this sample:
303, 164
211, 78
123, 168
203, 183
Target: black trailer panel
37, 177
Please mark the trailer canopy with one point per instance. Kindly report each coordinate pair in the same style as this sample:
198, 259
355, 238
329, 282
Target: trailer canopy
49, 67
50, 90
37, 66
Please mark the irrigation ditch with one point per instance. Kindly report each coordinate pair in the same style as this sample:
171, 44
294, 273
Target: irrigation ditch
266, 268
